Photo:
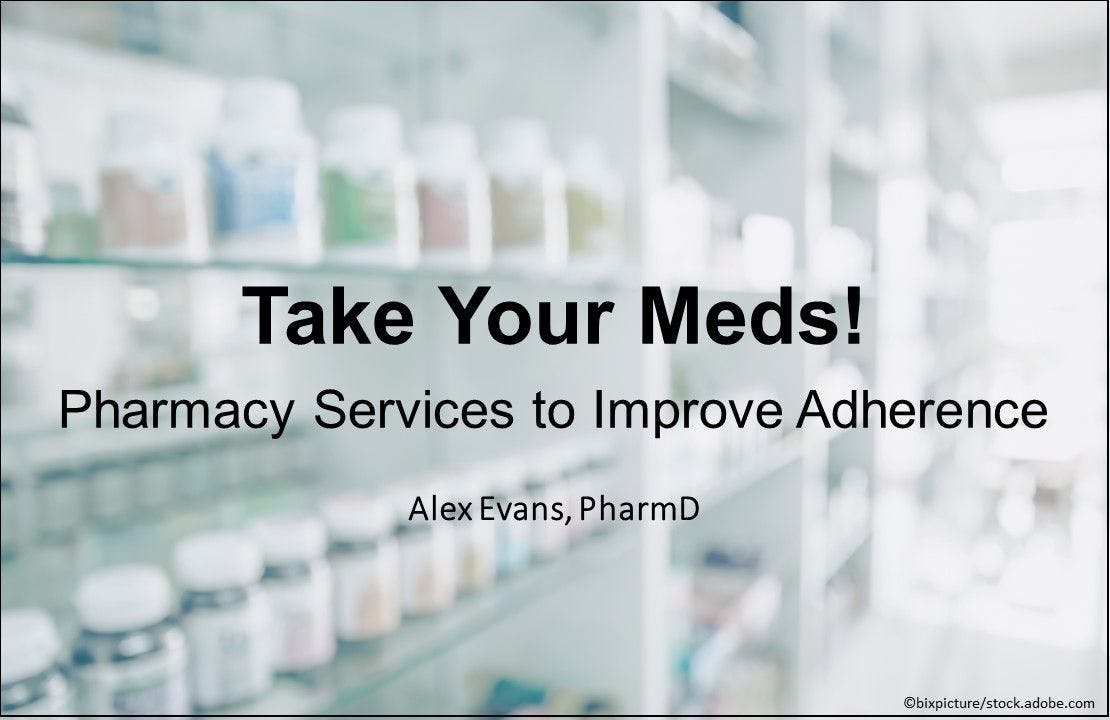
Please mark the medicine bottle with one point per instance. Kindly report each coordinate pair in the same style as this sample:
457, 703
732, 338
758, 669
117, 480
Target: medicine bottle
453, 197
226, 617
475, 539
369, 188
31, 678
545, 487
23, 198
130, 656
263, 176
513, 536
156, 477
575, 478
428, 566
60, 498
527, 197
112, 491
297, 581
595, 207
598, 475
72, 229
11, 513
151, 191
366, 571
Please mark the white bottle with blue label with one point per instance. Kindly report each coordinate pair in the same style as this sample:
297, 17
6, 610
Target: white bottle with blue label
263, 176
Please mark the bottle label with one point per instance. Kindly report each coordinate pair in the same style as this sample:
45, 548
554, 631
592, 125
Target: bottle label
143, 209
593, 224
229, 653
428, 579
359, 210
518, 214
444, 216
367, 595
253, 193
154, 685
302, 627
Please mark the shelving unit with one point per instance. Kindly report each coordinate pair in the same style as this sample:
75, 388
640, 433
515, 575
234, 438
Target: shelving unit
761, 466
348, 685
614, 71
323, 270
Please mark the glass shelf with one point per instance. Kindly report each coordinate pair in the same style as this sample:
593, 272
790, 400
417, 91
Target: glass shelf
737, 101
716, 60
599, 278
359, 670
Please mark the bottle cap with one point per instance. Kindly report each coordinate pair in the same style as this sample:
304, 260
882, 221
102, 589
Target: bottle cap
586, 148
376, 127
355, 518
137, 129
31, 645
262, 101
123, 598
587, 164
520, 139
287, 539
445, 141
214, 561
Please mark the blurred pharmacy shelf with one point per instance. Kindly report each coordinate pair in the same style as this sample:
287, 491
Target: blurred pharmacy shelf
743, 104
360, 669
753, 144
571, 279
762, 464
842, 550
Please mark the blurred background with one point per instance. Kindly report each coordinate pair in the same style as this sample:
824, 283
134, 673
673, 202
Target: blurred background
948, 158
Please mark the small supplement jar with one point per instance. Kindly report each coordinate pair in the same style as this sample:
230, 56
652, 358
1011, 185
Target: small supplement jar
514, 537
475, 542
596, 476
575, 476
23, 204
366, 572
453, 198
297, 581
595, 206
369, 187
545, 486
10, 516
226, 617
428, 566
151, 191
31, 679
263, 175
130, 657
59, 502
112, 491
527, 196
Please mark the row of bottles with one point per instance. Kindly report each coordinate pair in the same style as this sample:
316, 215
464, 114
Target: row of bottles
282, 594
265, 192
